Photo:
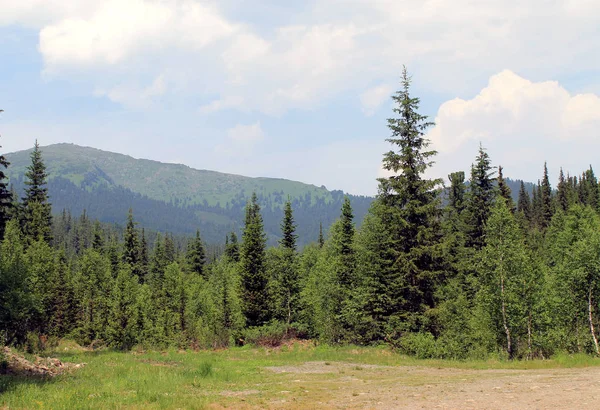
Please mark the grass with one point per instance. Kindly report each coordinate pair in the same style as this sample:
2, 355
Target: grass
236, 378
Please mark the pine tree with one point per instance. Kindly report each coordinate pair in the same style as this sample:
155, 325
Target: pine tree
288, 228
170, 253
254, 278
143, 258
481, 197
37, 211
131, 251
98, 242
121, 329
408, 207
546, 200
504, 190
6, 197
562, 194
285, 286
232, 248
456, 193
196, 256
321, 238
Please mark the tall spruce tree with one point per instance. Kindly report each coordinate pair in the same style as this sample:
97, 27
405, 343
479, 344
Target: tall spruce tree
6, 197
196, 255
321, 240
288, 228
408, 209
37, 211
504, 190
562, 192
284, 270
131, 251
232, 248
254, 279
546, 210
481, 197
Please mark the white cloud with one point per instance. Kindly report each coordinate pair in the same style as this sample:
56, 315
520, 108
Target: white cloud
335, 46
222, 104
246, 133
134, 97
372, 98
511, 106
523, 123
117, 30
240, 140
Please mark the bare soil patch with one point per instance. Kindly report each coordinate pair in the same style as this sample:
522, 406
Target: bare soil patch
359, 386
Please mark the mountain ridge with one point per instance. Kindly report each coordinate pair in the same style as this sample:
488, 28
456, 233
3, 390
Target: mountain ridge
176, 197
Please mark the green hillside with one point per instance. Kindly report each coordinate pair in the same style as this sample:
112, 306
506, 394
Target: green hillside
156, 180
175, 198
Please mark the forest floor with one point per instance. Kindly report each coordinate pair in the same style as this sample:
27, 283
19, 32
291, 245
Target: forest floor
301, 376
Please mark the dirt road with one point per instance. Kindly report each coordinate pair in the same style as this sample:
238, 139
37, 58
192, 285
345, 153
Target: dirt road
349, 386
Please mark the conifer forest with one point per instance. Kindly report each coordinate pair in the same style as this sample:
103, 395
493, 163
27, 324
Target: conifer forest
449, 269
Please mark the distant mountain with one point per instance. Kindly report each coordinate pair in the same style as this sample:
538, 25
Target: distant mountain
176, 198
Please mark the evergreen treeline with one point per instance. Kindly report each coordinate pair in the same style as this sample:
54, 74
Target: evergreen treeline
468, 275
109, 203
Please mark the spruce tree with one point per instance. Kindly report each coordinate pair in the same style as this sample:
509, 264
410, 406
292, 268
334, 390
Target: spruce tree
321, 237
504, 191
37, 211
562, 194
524, 203
143, 257
6, 196
131, 251
546, 200
196, 256
253, 274
481, 197
288, 228
232, 248
284, 270
408, 207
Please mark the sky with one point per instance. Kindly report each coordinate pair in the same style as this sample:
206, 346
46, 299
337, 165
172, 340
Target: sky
301, 90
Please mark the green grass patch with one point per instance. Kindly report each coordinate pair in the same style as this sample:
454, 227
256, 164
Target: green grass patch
195, 380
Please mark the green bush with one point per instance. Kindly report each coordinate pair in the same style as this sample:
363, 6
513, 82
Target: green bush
419, 345
272, 334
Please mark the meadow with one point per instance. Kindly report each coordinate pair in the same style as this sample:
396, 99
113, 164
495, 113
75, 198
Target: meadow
299, 375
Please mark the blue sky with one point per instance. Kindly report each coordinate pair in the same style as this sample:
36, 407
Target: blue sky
300, 90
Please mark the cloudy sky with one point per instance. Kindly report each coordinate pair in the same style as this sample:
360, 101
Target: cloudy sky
301, 90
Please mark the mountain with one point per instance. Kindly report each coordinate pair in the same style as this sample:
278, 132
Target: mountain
176, 198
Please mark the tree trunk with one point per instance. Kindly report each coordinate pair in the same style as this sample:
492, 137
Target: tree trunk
592, 321
504, 318
529, 335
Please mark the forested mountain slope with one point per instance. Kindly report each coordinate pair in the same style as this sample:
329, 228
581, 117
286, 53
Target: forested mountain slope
176, 198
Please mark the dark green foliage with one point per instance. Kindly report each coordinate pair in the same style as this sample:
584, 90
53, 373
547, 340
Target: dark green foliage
232, 248
408, 207
6, 196
131, 251
16, 302
254, 277
37, 211
288, 228
321, 239
547, 209
482, 193
524, 203
196, 256
504, 190
283, 267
